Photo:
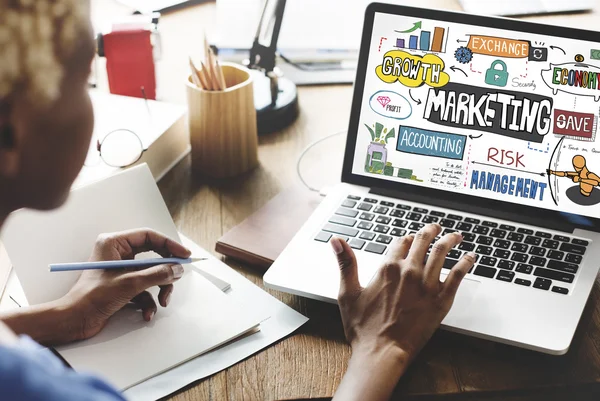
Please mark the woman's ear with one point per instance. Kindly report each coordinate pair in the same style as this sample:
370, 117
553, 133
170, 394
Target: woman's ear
9, 155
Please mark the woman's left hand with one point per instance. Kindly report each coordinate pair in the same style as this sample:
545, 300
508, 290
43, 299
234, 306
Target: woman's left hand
99, 294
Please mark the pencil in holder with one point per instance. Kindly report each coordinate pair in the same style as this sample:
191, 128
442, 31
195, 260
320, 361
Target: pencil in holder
223, 131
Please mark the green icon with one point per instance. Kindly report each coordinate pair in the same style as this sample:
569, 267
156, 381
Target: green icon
497, 74
595, 54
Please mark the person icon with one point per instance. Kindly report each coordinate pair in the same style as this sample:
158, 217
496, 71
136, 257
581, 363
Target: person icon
586, 179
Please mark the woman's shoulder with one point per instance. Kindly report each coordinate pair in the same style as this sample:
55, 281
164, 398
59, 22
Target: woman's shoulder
30, 372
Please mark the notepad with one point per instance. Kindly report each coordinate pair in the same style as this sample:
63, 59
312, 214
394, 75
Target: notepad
129, 350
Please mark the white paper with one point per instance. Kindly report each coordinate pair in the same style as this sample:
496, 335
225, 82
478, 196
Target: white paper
284, 321
34, 239
129, 350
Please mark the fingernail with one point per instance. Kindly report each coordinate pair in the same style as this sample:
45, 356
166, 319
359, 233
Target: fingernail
168, 299
177, 271
337, 246
472, 255
152, 315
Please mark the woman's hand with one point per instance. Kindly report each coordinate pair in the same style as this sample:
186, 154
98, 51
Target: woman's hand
388, 322
99, 294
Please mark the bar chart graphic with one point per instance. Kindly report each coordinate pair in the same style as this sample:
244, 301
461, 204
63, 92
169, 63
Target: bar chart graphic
425, 41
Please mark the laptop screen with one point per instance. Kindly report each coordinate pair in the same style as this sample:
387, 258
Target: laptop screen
493, 113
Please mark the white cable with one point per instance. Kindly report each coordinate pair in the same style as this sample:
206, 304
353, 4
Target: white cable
305, 151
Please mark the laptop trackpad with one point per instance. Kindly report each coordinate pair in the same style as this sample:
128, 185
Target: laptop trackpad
461, 311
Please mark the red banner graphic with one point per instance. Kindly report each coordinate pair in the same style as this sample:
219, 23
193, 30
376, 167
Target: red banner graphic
575, 124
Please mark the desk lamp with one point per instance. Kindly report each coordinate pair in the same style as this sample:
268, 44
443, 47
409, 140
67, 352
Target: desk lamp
275, 97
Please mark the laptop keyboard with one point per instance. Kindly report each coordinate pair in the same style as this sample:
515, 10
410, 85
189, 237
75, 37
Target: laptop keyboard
510, 253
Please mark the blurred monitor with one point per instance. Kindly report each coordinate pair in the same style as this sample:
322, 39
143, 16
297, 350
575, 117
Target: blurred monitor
525, 7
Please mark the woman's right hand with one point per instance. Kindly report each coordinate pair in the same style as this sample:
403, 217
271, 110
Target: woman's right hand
388, 322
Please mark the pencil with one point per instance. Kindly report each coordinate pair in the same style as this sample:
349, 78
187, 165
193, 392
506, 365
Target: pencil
202, 78
213, 70
206, 73
121, 264
195, 76
220, 75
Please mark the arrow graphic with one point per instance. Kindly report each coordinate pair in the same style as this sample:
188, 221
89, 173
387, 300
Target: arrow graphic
510, 168
559, 48
413, 99
417, 25
475, 137
461, 41
453, 68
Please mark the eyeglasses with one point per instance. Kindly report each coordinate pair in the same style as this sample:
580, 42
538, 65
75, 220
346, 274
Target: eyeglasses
119, 148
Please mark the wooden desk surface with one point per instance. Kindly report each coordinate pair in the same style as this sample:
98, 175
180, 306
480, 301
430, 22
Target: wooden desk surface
311, 363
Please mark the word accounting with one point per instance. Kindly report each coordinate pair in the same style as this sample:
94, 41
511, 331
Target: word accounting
412, 70
524, 116
574, 78
431, 143
499, 47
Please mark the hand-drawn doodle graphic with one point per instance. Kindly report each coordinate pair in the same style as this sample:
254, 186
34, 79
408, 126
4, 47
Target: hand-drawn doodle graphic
463, 55
499, 47
575, 125
497, 74
574, 78
424, 41
430, 143
507, 184
412, 70
595, 54
579, 58
586, 180
377, 152
390, 104
519, 115
537, 53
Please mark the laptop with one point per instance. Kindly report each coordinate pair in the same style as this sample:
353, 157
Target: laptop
488, 127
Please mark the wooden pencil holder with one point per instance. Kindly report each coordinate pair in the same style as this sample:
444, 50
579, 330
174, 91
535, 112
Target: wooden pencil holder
223, 131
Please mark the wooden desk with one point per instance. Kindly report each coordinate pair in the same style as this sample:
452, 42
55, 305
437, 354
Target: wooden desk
311, 363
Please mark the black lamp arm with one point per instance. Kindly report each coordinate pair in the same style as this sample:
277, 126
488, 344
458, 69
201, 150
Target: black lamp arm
264, 47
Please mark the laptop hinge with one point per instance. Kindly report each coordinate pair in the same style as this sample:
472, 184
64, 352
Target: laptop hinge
558, 225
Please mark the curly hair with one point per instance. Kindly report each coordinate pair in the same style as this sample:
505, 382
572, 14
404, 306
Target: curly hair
36, 38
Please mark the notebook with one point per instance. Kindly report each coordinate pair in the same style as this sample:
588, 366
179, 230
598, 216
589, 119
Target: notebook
128, 351
260, 238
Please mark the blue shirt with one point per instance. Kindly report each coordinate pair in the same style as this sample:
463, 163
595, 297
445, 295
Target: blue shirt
29, 372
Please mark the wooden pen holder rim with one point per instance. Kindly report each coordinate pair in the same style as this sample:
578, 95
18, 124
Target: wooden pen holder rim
247, 81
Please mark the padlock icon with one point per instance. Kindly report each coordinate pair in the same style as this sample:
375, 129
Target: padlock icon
495, 76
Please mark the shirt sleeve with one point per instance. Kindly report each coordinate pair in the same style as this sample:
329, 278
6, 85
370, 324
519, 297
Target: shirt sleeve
29, 372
